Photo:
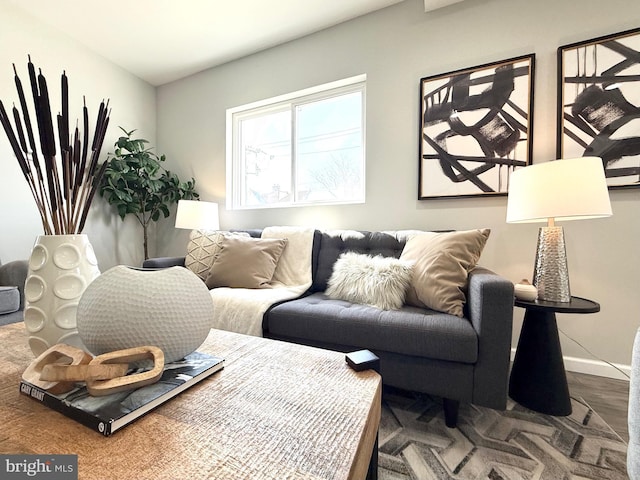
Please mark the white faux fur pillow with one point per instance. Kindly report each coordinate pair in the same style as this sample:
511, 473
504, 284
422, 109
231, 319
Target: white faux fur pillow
378, 281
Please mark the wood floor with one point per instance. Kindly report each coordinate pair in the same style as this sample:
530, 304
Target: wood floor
608, 397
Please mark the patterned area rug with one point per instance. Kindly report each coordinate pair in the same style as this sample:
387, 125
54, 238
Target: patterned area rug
414, 443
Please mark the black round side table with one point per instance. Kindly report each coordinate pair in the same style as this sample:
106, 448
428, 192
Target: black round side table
538, 379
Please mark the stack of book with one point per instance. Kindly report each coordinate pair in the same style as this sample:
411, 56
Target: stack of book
109, 413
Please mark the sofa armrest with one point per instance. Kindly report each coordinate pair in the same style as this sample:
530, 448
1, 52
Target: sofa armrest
163, 262
490, 310
15, 273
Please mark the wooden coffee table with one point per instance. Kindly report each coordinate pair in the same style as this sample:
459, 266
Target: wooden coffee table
277, 410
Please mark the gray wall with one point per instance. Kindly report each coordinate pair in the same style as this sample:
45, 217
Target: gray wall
395, 47
133, 105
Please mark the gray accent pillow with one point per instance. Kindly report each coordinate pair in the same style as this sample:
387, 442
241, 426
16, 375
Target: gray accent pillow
378, 281
9, 299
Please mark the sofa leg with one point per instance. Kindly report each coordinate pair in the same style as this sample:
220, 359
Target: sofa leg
451, 408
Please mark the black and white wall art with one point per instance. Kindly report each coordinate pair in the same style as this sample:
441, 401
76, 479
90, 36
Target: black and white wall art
475, 128
599, 104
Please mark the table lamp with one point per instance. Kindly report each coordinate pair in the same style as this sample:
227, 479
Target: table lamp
201, 218
566, 189
196, 215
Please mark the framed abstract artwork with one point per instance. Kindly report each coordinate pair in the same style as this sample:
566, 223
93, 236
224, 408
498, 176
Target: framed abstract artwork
476, 126
599, 104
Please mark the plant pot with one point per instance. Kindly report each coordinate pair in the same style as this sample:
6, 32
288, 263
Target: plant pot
60, 268
129, 307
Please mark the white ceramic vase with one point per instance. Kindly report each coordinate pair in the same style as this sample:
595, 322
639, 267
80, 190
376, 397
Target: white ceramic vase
127, 307
60, 268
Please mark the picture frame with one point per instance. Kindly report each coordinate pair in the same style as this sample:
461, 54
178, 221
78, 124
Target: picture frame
476, 127
599, 104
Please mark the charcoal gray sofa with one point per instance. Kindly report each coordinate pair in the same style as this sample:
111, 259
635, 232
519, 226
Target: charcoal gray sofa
458, 359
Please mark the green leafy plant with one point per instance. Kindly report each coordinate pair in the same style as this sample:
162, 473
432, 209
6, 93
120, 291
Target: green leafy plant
135, 182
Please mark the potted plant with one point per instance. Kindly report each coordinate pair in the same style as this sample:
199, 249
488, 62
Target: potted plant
136, 183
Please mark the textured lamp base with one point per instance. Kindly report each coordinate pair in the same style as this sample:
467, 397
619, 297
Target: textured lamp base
551, 275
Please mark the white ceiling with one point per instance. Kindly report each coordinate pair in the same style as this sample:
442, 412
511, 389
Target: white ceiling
164, 40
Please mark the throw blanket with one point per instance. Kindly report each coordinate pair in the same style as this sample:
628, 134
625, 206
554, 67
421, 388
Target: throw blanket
241, 310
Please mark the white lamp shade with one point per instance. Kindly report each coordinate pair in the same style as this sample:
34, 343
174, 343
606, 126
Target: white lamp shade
196, 215
568, 189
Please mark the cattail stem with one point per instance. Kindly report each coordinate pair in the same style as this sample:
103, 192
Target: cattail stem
64, 191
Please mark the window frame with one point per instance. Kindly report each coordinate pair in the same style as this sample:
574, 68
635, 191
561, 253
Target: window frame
287, 102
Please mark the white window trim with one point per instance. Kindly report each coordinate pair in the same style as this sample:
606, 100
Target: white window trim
233, 187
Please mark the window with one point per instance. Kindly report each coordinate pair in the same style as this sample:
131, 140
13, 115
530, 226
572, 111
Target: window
305, 148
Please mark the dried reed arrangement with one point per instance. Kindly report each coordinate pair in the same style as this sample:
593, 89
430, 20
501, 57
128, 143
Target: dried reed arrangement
62, 188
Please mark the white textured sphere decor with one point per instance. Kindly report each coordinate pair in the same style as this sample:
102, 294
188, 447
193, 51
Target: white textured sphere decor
60, 268
127, 307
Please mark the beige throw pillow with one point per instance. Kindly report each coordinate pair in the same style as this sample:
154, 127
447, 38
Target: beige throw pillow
442, 262
202, 249
245, 262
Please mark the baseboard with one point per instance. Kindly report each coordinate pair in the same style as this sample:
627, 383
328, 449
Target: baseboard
591, 367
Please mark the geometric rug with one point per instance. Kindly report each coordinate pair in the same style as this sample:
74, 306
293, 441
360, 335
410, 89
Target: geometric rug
515, 444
